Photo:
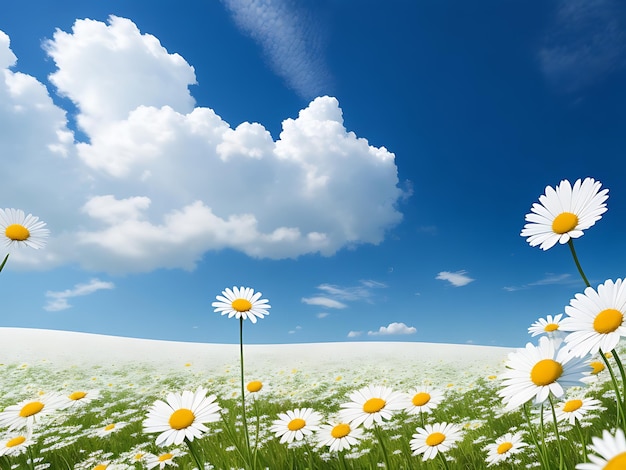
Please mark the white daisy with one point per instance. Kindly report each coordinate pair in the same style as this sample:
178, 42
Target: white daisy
28, 412
611, 450
537, 371
242, 303
162, 460
182, 417
371, 405
573, 409
20, 229
254, 386
110, 428
16, 444
434, 438
81, 398
564, 212
504, 447
339, 436
596, 318
296, 424
550, 326
423, 400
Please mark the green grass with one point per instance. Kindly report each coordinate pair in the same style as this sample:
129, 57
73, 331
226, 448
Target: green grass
67, 439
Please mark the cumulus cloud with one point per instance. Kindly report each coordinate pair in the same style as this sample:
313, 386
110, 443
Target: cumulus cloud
324, 302
292, 40
393, 329
59, 300
158, 182
585, 43
457, 279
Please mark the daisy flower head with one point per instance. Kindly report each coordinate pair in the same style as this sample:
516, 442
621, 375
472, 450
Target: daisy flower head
371, 405
21, 229
339, 436
28, 412
16, 445
181, 416
564, 212
254, 386
161, 460
538, 371
504, 447
434, 438
596, 318
243, 303
81, 398
573, 409
110, 428
550, 326
423, 400
296, 424
611, 452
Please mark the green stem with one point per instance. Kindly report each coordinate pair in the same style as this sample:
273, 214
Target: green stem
618, 396
30, 456
620, 366
243, 390
558, 435
4, 262
194, 454
382, 446
533, 436
445, 462
580, 269
583, 441
232, 436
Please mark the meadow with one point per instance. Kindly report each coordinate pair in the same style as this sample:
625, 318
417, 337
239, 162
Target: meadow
107, 432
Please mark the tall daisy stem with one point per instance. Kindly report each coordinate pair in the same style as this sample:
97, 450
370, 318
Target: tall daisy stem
382, 446
4, 262
243, 391
533, 436
583, 441
618, 396
558, 435
445, 462
194, 454
580, 269
620, 366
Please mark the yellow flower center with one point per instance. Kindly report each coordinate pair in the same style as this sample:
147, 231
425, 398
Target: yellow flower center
420, 399
164, 457
435, 439
572, 405
607, 321
31, 408
296, 424
504, 447
564, 222
109, 427
616, 463
181, 419
596, 367
77, 395
16, 441
550, 327
241, 305
254, 386
100, 467
374, 405
341, 430
546, 372
17, 232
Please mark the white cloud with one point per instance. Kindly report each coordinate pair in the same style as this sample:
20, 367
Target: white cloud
58, 300
394, 329
354, 334
585, 43
291, 38
322, 315
324, 302
457, 279
548, 280
159, 182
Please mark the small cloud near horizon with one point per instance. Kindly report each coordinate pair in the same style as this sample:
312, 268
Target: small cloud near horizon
324, 302
549, 280
394, 328
457, 279
354, 334
57, 301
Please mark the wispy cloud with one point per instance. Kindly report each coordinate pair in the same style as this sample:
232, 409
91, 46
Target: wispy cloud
457, 279
548, 280
292, 39
324, 302
393, 329
336, 296
585, 44
59, 300
354, 334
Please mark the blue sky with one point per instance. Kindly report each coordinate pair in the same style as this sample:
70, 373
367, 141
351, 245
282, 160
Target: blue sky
366, 165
